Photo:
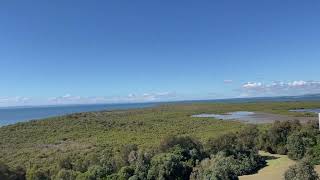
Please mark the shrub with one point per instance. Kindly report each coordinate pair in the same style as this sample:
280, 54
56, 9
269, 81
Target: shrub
39, 174
296, 147
218, 167
125, 173
274, 140
141, 165
190, 149
124, 154
7, 174
247, 138
65, 163
248, 163
185, 142
65, 174
168, 166
301, 171
225, 143
241, 147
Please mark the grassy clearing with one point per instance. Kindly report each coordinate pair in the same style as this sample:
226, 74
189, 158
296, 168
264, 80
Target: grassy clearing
275, 169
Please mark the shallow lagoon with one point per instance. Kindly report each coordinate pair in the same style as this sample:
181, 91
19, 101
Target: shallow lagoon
256, 117
307, 110
227, 116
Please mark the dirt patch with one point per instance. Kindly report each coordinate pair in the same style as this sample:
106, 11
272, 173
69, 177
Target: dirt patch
275, 169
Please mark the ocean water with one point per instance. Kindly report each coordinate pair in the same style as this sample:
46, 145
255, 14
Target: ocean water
13, 115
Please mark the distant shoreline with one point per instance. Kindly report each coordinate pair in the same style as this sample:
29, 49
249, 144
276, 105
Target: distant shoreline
14, 115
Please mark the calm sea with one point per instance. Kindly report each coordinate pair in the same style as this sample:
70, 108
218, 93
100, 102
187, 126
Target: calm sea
19, 114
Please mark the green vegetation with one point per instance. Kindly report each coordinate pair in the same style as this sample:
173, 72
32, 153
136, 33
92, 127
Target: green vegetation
303, 170
163, 142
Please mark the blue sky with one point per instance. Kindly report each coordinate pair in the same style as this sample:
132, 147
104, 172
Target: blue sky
152, 50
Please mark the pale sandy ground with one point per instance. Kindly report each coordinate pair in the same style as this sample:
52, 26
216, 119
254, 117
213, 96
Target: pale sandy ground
275, 168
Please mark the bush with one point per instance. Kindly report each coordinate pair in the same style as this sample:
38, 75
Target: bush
185, 142
296, 147
247, 138
168, 166
219, 167
64, 174
301, 171
248, 163
65, 163
189, 148
274, 140
7, 174
124, 154
141, 165
225, 143
241, 147
233, 144
125, 173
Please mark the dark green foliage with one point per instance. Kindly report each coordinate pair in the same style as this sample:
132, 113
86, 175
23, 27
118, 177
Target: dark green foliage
224, 143
65, 174
303, 143
141, 163
185, 142
296, 146
7, 174
274, 140
189, 148
66, 163
168, 166
233, 143
241, 147
124, 154
125, 173
314, 154
301, 171
39, 174
218, 167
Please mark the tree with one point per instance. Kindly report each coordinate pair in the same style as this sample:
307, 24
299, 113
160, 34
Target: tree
218, 167
274, 140
141, 163
296, 147
124, 154
225, 143
301, 171
65, 174
7, 174
242, 147
125, 173
168, 166
189, 148
39, 174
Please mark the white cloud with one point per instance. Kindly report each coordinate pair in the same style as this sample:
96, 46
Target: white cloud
252, 85
280, 88
228, 81
71, 99
13, 101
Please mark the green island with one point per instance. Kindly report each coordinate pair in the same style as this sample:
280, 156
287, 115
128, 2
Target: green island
162, 142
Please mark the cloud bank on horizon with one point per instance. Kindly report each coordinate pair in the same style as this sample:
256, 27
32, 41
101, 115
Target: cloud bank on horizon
280, 88
249, 89
70, 99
